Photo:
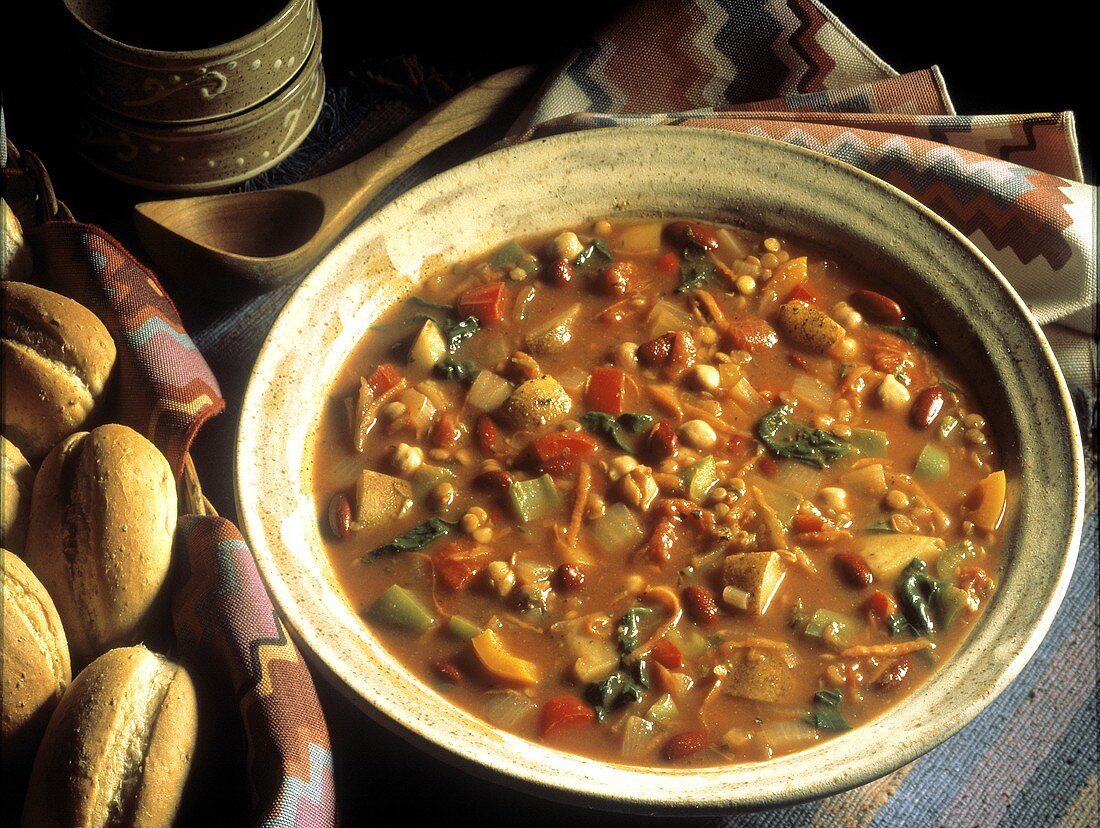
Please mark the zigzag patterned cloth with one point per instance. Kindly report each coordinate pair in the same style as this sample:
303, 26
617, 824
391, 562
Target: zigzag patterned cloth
789, 70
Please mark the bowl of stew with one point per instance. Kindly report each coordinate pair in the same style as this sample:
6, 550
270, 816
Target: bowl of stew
662, 470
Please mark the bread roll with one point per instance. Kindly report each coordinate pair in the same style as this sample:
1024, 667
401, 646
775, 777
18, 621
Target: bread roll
118, 748
103, 514
15, 507
15, 253
34, 663
57, 359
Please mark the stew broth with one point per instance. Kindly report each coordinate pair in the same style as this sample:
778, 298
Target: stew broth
660, 492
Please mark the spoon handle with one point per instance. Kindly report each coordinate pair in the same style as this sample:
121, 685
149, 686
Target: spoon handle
347, 190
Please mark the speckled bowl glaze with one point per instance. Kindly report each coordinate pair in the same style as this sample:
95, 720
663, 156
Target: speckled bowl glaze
205, 156
650, 172
189, 86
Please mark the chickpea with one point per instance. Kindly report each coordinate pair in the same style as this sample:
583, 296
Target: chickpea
891, 394
746, 285
407, 459
602, 228
834, 497
620, 466
847, 316
501, 577
626, 356
897, 500
699, 434
706, 377
566, 246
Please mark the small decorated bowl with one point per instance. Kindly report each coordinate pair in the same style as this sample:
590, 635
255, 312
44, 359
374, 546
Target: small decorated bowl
177, 65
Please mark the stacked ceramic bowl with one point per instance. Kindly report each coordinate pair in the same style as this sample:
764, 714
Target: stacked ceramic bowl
193, 99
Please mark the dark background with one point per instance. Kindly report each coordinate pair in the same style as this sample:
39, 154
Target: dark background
992, 63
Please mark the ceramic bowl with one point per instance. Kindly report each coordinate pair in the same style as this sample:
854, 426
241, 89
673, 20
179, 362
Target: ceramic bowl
659, 172
205, 156
181, 65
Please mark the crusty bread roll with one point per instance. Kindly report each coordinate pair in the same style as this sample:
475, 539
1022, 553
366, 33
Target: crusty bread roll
103, 513
34, 663
15, 507
15, 253
119, 746
57, 359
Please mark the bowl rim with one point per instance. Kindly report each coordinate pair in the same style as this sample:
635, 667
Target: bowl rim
871, 766
251, 40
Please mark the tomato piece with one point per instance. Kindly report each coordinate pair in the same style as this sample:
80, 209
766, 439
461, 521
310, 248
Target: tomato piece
447, 431
564, 711
488, 435
668, 264
881, 605
802, 523
767, 466
685, 744
802, 294
751, 334
606, 391
559, 453
456, 564
486, 302
383, 378
666, 653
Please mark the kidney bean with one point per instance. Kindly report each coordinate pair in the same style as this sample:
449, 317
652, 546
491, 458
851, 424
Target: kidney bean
569, 577
853, 568
685, 744
560, 272
494, 481
448, 671
656, 351
895, 675
618, 277
700, 604
488, 435
339, 516
661, 442
683, 233
877, 308
927, 407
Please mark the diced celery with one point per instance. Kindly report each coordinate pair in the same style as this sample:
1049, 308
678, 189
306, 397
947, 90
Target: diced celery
663, 710
699, 478
689, 641
869, 442
428, 477
534, 499
932, 464
831, 627
617, 530
947, 426
399, 608
950, 601
509, 254
462, 628
666, 316
953, 557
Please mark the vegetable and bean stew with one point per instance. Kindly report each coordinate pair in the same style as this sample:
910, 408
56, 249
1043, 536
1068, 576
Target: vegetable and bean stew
660, 493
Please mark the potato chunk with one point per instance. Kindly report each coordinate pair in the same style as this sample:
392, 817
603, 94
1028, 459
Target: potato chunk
537, 403
888, 554
759, 675
380, 499
809, 328
757, 573
588, 640
554, 335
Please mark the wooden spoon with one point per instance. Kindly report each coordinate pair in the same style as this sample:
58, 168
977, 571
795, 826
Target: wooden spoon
266, 237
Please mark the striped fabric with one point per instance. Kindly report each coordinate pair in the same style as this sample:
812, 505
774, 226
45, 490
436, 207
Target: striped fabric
790, 71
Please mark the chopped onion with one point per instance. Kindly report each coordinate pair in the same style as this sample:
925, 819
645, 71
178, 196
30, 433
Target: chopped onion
489, 391
572, 379
638, 736
418, 408
784, 735
531, 572
748, 398
680, 684
666, 317
799, 478
869, 481
812, 391
731, 245
505, 708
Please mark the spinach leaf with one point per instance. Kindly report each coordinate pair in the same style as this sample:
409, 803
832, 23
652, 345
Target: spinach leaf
917, 589
435, 307
917, 336
796, 441
627, 628
696, 267
416, 538
595, 254
404, 321
604, 425
899, 624
455, 333
826, 712
464, 371
635, 422
798, 615
624, 686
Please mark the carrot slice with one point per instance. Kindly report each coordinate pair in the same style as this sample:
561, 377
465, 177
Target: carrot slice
384, 377
564, 711
486, 302
559, 453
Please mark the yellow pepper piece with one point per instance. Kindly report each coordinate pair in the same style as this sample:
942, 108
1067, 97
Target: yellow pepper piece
989, 499
502, 664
